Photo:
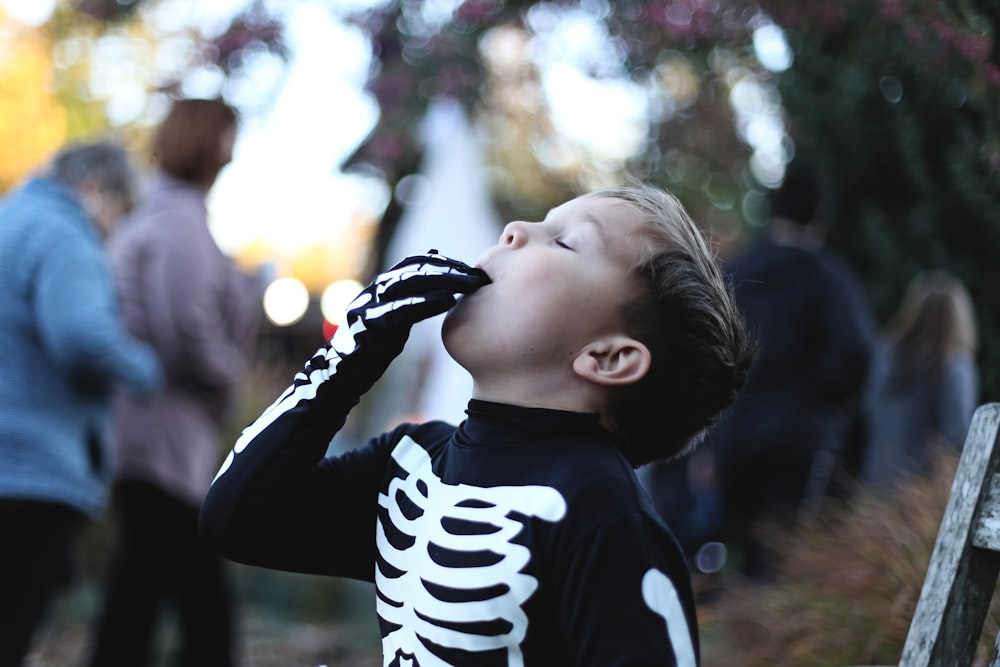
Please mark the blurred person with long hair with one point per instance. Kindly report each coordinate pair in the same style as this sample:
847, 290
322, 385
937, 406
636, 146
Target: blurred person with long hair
200, 313
63, 347
925, 383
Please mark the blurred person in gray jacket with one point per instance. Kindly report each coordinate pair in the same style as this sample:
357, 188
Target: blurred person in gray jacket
200, 312
63, 347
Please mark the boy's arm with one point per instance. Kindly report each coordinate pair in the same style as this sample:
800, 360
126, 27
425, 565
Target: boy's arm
626, 599
276, 501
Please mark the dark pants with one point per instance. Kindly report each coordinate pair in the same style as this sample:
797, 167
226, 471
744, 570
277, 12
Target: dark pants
160, 558
764, 494
36, 561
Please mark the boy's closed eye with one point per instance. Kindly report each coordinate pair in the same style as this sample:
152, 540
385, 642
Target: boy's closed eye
563, 244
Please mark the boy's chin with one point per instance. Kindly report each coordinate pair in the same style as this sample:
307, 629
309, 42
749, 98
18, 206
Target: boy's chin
448, 327
456, 313
453, 350
453, 334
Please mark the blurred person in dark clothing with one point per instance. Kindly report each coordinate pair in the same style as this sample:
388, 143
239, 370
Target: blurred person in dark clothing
795, 428
63, 347
925, 383
200, 313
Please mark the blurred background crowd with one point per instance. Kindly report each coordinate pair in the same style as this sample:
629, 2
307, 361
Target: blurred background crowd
842, 155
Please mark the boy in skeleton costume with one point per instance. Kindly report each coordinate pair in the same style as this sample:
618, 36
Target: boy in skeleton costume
598, 340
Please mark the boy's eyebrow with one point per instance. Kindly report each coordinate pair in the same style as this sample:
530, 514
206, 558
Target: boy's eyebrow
599, 231
591, 221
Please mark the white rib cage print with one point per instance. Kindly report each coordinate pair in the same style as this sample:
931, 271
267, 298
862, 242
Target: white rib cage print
437, 601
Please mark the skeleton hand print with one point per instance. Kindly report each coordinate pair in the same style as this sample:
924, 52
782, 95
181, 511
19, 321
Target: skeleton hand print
413, 290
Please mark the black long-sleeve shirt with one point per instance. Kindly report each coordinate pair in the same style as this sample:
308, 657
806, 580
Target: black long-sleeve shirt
521, 537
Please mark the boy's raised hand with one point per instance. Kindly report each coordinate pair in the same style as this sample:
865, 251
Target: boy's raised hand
415, 289
378, 324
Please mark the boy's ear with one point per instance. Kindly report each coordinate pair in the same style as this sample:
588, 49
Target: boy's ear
613, 361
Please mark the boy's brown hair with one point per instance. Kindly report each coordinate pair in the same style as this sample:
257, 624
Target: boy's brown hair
686, 315
187, 143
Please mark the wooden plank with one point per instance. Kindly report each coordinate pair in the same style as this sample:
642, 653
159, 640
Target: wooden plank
960, 579
986, 532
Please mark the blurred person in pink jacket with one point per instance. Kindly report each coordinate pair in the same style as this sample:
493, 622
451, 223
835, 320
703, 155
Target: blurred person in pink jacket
200, 313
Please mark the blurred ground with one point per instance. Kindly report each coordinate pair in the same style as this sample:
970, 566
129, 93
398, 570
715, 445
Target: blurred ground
266, 645
269, 635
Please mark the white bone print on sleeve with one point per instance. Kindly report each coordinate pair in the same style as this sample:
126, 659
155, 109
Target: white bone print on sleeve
378, 319
320, 368
488, 591
661, 596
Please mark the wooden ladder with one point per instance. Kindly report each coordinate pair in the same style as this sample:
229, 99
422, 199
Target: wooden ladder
962, 574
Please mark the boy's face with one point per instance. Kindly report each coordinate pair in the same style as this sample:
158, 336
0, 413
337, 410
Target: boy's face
556, 286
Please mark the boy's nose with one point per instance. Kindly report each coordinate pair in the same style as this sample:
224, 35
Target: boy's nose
514, 234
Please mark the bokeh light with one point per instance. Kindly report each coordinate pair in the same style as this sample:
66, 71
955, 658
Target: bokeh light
29, 12
333, 302
286, 301
771, 48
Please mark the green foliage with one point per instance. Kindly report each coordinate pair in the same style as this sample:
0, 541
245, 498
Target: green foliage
899, 102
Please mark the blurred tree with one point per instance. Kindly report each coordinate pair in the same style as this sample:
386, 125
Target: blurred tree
32, 122
897, 99
104, 67
481, 54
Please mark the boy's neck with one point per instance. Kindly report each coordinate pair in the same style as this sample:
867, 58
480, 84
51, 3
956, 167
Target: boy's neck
569, 396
